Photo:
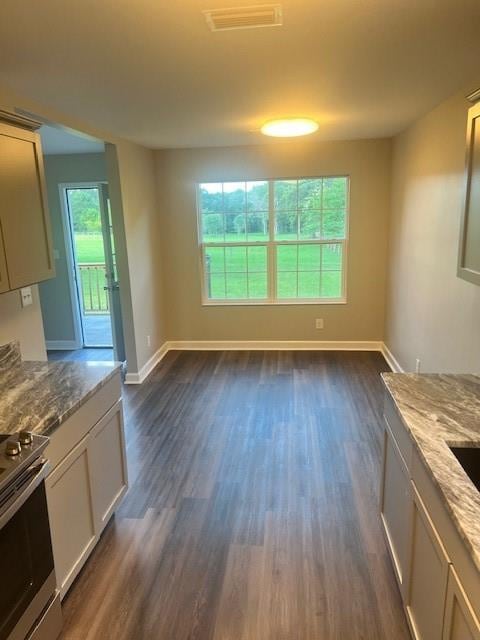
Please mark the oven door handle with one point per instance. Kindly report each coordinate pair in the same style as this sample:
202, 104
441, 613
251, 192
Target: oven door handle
39, 470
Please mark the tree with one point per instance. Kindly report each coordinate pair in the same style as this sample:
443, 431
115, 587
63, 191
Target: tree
320, 203
85, 210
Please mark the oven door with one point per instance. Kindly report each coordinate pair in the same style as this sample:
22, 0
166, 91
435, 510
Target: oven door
28, 577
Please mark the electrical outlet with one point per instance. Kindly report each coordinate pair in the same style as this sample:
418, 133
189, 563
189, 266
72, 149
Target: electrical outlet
149, 341
319, 323
26, 297
417, 365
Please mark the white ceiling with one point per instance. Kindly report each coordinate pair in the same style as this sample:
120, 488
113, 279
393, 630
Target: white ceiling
151, 70
56, 141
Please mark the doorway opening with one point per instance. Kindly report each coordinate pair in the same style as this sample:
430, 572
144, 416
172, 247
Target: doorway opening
81, 307
84, 211
93, 263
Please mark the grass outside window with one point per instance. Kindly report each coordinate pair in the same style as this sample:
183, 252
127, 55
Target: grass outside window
276, 241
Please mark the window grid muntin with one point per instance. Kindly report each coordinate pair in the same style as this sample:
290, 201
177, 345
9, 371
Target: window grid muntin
271, 245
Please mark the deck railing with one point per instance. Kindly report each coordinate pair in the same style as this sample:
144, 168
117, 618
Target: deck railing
94, 296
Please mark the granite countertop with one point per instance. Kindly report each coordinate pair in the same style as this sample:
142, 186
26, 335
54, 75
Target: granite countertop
39, 396
442, 410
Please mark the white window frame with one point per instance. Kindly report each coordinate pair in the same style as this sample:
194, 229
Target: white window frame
271, 245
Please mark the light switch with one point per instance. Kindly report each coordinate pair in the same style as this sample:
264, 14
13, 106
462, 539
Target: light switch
56, 254
26, 296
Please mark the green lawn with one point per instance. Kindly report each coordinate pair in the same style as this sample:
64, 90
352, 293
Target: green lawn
319, 269
303, 271
89, 247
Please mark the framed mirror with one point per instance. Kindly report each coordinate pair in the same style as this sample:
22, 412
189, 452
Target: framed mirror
469, 246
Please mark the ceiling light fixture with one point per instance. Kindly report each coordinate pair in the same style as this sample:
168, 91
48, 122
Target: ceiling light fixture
289, 127
264, 15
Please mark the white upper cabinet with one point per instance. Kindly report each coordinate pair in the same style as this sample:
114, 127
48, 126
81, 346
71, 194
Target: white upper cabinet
25, 236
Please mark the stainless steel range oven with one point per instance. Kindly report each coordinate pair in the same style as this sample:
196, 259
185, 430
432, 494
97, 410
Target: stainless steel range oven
29, 601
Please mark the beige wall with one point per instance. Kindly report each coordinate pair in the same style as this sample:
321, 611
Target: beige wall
137, 198
431, 314
132, 182
362, 318
23, 324
55, 294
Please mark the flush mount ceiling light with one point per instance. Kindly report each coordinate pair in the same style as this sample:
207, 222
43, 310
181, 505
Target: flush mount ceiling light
264, 15
289, 127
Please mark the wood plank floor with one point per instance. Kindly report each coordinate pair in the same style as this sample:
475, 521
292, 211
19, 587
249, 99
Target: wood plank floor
253, 507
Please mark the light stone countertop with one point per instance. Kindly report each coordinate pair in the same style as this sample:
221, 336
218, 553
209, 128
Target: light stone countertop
442, 410
40, 396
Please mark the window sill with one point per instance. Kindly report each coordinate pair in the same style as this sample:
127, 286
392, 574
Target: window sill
270, 303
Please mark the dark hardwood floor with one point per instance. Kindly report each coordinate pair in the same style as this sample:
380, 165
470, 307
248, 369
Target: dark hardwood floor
252, 512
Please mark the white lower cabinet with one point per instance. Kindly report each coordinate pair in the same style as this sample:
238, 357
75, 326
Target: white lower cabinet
461, 623
425, 602
108, 466
439, 582
396, 508
71, 514
83, 491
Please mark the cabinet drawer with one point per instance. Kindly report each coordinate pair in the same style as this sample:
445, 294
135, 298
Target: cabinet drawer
80, 423
399, 431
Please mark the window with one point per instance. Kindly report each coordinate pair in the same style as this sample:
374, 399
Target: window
273, 241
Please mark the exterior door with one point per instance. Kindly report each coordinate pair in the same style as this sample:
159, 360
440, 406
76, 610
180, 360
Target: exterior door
112, 286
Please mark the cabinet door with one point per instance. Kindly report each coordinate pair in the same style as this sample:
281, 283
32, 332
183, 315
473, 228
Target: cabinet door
71, 515
428, 576
107, 463
461, 622
24, 216
396, 508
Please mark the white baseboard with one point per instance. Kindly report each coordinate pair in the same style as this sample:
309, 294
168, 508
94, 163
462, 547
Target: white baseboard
391, 360
62, 345
260, 345
138, 378
273, 345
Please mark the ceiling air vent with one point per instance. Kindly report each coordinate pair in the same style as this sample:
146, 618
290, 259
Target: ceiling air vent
265, 15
